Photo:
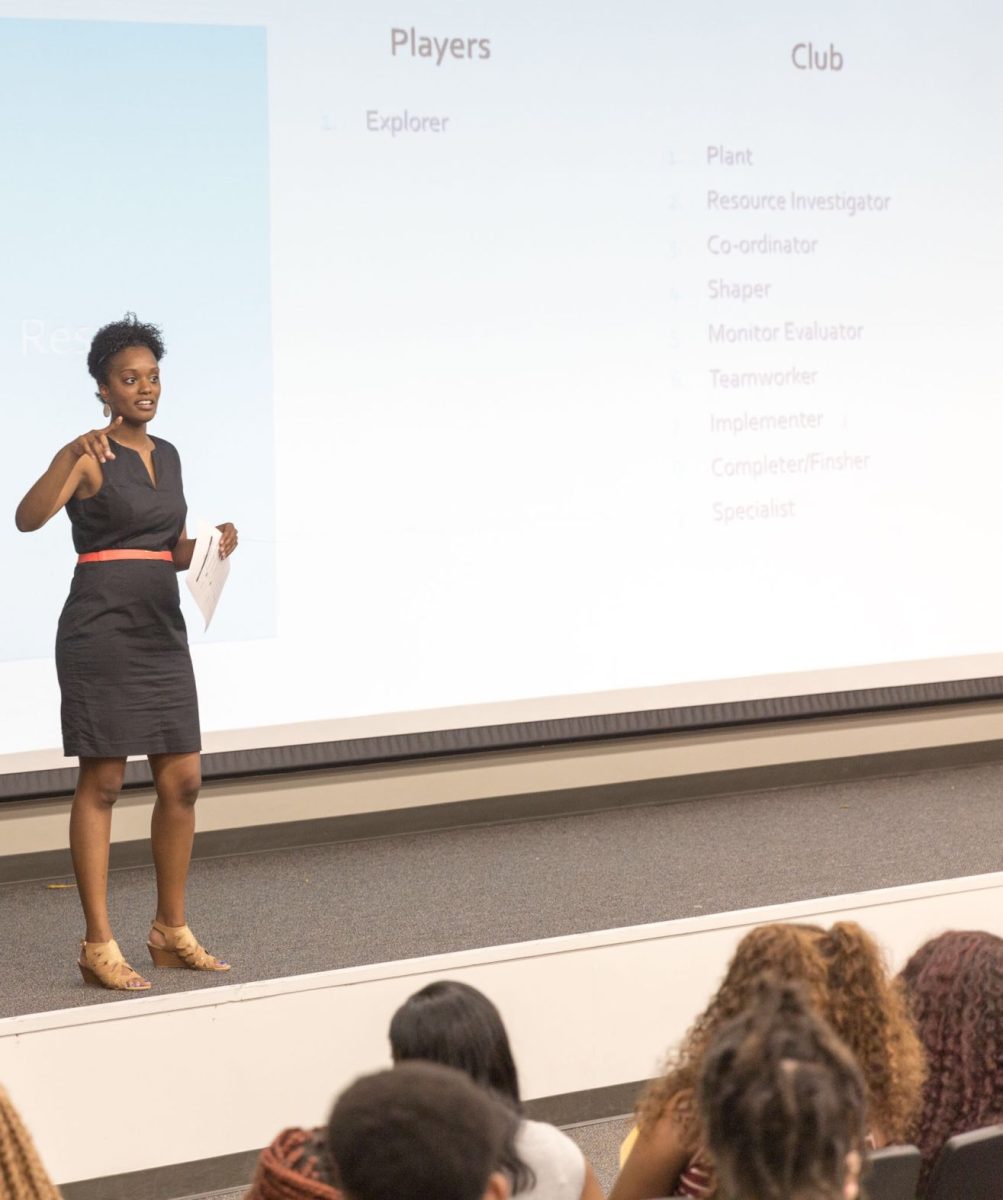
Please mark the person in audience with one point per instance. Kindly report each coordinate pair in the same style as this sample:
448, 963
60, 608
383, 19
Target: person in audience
465, 1034
22, 1176
419, 1132
868, 1010
454, 1024
954, 986
294, 1167
783, 1103
846, 982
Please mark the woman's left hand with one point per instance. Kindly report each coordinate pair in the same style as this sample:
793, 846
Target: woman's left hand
228, 542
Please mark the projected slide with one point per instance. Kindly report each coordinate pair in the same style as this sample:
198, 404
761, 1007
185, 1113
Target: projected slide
553, 360
136, 177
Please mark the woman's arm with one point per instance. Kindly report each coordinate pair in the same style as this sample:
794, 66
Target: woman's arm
659, 1157
182, 550
49, 494
72, 466
591, 1190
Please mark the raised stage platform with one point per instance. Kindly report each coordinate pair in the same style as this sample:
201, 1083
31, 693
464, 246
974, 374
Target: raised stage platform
599, 936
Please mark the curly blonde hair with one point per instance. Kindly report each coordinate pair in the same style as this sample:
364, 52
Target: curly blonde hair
22, 1176
846, 982
870, 1013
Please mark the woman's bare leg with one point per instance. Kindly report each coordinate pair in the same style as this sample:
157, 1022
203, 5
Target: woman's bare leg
178, 778
98, 786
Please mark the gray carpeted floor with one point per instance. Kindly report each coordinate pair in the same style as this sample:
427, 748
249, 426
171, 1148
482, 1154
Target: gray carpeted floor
297, 911
600, 1143
227, 1195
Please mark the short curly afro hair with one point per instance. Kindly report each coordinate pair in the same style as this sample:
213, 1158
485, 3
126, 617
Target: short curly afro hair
121, 335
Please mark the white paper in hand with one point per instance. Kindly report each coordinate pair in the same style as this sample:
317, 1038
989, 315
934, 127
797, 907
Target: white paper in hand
208, 571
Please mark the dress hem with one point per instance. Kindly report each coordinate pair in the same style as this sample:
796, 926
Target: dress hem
128, 751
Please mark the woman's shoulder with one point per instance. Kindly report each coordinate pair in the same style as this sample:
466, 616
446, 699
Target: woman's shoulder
539, 1133
165, 449
557, 1162
676, 1118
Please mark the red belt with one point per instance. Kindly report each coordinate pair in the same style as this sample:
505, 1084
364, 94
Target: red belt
115, 555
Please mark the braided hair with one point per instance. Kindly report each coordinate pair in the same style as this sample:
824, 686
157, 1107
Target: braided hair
783, 1102
22, 1176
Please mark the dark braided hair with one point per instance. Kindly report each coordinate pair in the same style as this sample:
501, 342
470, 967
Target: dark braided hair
121, 335
782, 1100
954, 984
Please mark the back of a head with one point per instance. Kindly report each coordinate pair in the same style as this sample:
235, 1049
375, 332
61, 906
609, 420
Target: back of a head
867, 1008
783, 951
954, 985
780, 952
782, 1102
416, 1132
456, 1025
22, 1175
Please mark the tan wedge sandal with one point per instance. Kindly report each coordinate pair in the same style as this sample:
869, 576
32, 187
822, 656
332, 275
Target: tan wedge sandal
181, 949
102, 964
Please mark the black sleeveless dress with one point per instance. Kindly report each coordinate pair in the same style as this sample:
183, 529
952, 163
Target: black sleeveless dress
121, 647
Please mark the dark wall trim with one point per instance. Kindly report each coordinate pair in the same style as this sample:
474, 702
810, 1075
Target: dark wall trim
356, 752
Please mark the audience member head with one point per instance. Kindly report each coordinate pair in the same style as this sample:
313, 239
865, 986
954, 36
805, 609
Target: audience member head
845, 981
780, 952
456, 1025
419, 1131
782, 1102
867, 1008
22, 1176
954, 985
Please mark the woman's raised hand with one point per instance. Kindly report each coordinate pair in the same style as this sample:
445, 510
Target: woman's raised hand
95, 444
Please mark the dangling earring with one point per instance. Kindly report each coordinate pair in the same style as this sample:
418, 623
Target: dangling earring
107, 410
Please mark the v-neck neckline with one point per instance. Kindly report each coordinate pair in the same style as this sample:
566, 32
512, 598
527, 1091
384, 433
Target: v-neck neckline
150, 473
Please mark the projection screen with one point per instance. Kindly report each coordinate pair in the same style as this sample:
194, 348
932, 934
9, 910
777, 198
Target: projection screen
555, 361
